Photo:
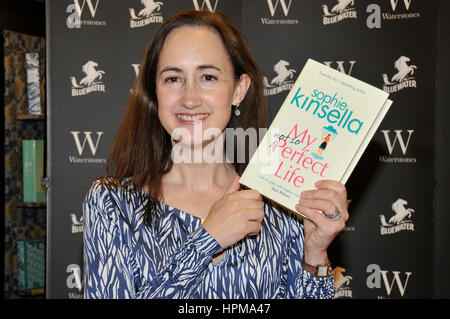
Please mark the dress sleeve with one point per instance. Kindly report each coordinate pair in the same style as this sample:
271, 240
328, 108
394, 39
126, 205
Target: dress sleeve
109, 265
300, 283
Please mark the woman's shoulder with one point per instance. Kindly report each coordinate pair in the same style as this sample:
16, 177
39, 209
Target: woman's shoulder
107, 186
115, 199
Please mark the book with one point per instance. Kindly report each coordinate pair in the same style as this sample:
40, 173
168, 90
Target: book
31, 264
33, 83
320, 132
33, 169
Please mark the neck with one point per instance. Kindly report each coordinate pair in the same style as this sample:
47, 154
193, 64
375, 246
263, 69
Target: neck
201, 176
200, 168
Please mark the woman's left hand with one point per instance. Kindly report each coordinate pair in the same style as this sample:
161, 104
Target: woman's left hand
330, 197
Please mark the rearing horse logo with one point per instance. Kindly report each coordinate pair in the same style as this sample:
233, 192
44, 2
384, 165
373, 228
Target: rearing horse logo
91, 82
403, 71
149, 9
283, 74
342, 283
283, 80
401, 219
92, 75
403, 78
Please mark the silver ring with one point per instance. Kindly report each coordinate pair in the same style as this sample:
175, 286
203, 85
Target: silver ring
334, 216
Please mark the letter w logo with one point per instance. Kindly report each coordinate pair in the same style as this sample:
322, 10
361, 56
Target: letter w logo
88, 138
396, 279
399, 137
273, 8
90, 6
406, 2
340, 66
208, 5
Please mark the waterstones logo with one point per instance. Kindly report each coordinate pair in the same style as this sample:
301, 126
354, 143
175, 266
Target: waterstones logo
399, 141
77, 224
342, 283
400, 221
74, 281
81, 148
277, 9
205, 4
84, 8
402, 12
403, 78
341, 11
148, 15
91, 82
376, 274
399, 12
340, 66
282, 81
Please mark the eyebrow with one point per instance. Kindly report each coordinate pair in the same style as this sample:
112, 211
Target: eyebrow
200, 67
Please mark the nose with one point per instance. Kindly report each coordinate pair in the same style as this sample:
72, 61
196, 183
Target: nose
191, 96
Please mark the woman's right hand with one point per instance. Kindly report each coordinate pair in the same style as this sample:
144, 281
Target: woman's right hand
236, 215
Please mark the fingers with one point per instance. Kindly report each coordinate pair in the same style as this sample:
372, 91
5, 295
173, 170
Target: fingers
245, 194
320, 220
234, 187
330, 196
326, 206
333, 185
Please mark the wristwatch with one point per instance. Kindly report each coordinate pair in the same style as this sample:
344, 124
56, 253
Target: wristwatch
320, 271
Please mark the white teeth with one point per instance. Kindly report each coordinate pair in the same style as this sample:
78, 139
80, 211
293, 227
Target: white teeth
192, 117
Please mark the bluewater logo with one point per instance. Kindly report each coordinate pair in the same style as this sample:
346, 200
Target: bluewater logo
77, 224
91, 82
403, 78
148, 15
400, 221
282, 81
342, 283
343, 10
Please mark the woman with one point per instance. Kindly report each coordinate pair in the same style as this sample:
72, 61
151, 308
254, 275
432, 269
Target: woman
158, 227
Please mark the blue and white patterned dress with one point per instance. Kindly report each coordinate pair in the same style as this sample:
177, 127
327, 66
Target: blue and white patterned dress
124, 258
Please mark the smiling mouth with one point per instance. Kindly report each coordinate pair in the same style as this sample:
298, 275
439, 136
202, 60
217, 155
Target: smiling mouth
192, 117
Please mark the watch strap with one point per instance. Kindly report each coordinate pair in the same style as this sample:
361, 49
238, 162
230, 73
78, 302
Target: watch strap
319, 271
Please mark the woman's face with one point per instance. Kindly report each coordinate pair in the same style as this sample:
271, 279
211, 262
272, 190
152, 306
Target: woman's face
195, 84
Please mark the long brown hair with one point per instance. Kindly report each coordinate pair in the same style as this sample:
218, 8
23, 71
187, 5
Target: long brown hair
142, 147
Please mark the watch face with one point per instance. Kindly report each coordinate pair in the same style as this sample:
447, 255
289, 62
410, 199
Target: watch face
322, 271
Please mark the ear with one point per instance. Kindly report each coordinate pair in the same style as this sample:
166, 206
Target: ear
240, 88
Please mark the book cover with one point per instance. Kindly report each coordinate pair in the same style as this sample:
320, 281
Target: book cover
33, 83
320, 132
31, 264
33, 169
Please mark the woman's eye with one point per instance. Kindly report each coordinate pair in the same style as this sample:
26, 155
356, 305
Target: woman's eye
172, 79
209, 77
